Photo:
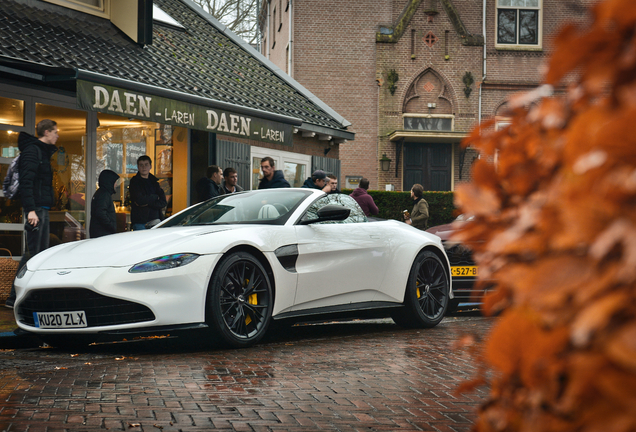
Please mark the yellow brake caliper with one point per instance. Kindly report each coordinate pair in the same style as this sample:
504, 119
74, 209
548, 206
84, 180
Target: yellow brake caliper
417, 284
253, 300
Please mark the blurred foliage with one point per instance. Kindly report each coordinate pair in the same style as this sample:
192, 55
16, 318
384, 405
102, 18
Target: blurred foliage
557, 217
392, 204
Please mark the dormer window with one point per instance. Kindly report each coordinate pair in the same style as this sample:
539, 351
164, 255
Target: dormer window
100, 8
162, 17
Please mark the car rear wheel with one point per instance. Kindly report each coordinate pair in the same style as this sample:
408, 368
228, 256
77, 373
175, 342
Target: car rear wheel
240, 301
427, 290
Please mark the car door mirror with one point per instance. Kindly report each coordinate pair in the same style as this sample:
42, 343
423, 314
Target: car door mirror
329, 213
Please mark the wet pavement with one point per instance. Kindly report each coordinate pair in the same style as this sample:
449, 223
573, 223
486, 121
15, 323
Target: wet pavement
354, 376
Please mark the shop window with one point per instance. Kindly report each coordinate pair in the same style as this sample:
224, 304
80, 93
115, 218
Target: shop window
519, 22
11, 112
68, 214
10, 210
121, 141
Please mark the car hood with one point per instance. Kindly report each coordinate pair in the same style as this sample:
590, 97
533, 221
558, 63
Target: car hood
125, 249
444, 231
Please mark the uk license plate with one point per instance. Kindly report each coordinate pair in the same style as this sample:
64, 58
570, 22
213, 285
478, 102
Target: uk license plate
466, 271
74, 319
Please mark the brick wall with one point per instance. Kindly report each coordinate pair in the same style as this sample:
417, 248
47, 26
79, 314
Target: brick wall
334, 57
337, 58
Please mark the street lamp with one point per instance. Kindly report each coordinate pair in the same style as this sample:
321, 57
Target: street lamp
385, 163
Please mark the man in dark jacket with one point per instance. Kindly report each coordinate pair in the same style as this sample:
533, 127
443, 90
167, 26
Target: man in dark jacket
210, 185
36, 189
272, 179
103, 215
230, 181
146, 196
333, 182
318, 180
364, 200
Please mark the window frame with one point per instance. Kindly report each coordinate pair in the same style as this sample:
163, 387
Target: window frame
427, 116
280, 157
103, 12
520, 46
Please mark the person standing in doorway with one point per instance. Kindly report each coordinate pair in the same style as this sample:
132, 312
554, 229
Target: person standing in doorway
419, 214
230, 181
272, 178
36, 189
147, 199
210, 185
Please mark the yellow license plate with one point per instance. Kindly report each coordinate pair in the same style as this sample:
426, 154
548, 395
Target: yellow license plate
459, 271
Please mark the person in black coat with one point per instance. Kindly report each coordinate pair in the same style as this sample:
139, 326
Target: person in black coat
147, 199
103, 215
210, 186
36, 189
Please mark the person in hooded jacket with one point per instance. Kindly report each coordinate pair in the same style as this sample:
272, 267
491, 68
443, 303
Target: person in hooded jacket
36, 189
103, 215
272, 178
364, 200
318, 180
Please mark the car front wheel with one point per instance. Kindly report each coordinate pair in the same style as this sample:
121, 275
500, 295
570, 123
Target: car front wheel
239, 304
427, 291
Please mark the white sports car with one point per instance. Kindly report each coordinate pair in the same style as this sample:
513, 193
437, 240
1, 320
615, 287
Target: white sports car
232, 265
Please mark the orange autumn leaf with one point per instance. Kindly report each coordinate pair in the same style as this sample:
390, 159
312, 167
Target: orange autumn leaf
554, 204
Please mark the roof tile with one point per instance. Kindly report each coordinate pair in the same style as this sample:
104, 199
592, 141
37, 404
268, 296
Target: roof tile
200, 61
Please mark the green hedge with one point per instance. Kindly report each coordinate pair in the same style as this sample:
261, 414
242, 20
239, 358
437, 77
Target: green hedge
391, 205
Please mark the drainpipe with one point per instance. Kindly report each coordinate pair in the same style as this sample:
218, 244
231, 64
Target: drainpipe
269, 31
291, 51
483, 75
258, 26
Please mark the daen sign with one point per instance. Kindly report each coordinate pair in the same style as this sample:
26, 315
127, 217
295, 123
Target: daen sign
127, 103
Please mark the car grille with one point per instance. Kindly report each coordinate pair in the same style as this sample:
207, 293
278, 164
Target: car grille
100, 310
459, 255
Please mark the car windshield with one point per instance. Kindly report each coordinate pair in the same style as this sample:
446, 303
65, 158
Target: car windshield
271, 207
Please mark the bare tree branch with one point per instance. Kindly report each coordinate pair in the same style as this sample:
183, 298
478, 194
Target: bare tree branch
238, 15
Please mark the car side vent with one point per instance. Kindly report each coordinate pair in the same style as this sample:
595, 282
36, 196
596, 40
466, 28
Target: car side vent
287, 256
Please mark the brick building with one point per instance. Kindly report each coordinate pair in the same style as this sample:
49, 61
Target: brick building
413, 76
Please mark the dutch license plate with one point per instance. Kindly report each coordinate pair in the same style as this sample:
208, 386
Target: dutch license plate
459, 271
73, 319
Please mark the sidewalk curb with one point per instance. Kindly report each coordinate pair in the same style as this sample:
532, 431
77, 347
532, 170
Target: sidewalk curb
18, 339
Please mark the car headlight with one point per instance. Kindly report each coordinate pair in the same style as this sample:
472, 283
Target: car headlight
22, 272
164, 262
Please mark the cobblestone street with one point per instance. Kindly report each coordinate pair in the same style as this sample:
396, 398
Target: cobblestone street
356, 376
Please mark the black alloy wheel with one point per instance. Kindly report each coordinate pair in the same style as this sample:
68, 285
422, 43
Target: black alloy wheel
427, 293
240, 301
